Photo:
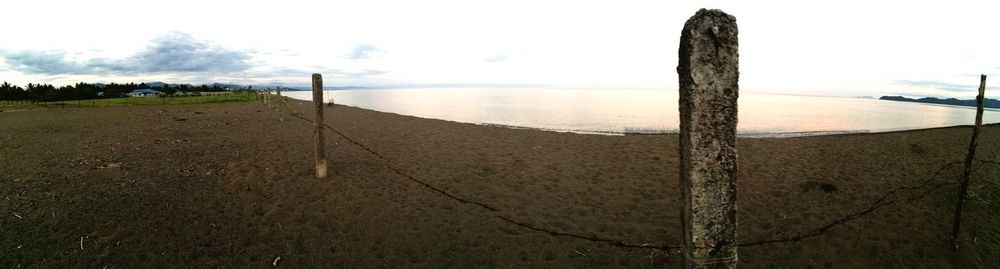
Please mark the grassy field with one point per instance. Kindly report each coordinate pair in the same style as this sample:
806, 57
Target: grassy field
133, 101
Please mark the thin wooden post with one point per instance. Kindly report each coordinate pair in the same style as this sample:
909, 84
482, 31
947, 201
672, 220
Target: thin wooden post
317, 81
708, 71
967, 173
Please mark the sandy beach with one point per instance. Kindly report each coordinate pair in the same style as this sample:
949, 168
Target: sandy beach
232, 186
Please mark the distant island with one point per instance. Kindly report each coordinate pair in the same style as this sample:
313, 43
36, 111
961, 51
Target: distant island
988, 103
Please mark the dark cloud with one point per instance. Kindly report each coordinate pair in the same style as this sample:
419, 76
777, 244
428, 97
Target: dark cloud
179, 52
951, 87
361, 52
46, 63
173, 52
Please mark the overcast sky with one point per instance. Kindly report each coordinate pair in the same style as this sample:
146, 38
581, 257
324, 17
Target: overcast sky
838, 48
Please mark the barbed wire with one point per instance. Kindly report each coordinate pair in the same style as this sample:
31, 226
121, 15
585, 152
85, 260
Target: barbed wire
878, 203
497, 212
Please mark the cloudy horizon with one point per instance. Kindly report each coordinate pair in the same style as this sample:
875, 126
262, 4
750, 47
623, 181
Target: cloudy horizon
832, 49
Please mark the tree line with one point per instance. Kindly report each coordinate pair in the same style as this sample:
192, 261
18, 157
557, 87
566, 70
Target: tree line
80, 91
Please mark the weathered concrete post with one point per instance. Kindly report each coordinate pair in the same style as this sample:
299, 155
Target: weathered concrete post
957, 222
709, 86
281, 104
267, 100
317, 80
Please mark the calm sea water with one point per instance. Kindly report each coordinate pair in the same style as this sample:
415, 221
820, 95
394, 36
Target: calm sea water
650, 111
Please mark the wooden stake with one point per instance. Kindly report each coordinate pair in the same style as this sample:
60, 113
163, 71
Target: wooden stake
967, 173
708, 72
317, 81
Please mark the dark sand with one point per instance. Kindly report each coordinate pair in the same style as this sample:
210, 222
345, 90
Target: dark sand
231, 185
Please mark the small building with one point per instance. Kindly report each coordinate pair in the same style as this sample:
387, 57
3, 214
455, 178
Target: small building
143, 93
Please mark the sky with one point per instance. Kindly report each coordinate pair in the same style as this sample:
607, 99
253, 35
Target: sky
830, 48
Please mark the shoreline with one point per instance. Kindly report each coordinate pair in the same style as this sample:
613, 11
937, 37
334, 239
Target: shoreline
752, 135
667, 133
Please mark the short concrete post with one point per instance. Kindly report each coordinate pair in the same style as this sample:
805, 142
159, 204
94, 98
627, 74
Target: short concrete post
317, 81
281, 104
267, 100
956, 223
709, 86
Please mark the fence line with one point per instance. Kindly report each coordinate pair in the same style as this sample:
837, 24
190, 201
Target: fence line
878, 203
875, 205
499, 214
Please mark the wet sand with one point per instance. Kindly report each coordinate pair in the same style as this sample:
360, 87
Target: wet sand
231, 185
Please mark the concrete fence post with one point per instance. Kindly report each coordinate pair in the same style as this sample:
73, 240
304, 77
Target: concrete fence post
967, 173
267, 99
709, 87
317, 83
281, 104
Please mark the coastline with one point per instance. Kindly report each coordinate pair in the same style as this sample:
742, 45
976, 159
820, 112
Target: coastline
628, 132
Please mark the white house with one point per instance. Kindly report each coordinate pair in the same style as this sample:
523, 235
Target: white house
143, 93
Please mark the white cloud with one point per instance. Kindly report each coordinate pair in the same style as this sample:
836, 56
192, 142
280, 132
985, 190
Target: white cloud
842, 48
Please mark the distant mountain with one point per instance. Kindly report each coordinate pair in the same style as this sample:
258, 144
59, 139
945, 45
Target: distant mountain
988, 103
155, 84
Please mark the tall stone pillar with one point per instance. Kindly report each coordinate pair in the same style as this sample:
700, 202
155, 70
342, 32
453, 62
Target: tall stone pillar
709, 87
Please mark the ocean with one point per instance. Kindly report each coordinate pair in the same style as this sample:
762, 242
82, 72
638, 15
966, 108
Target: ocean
616, 112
